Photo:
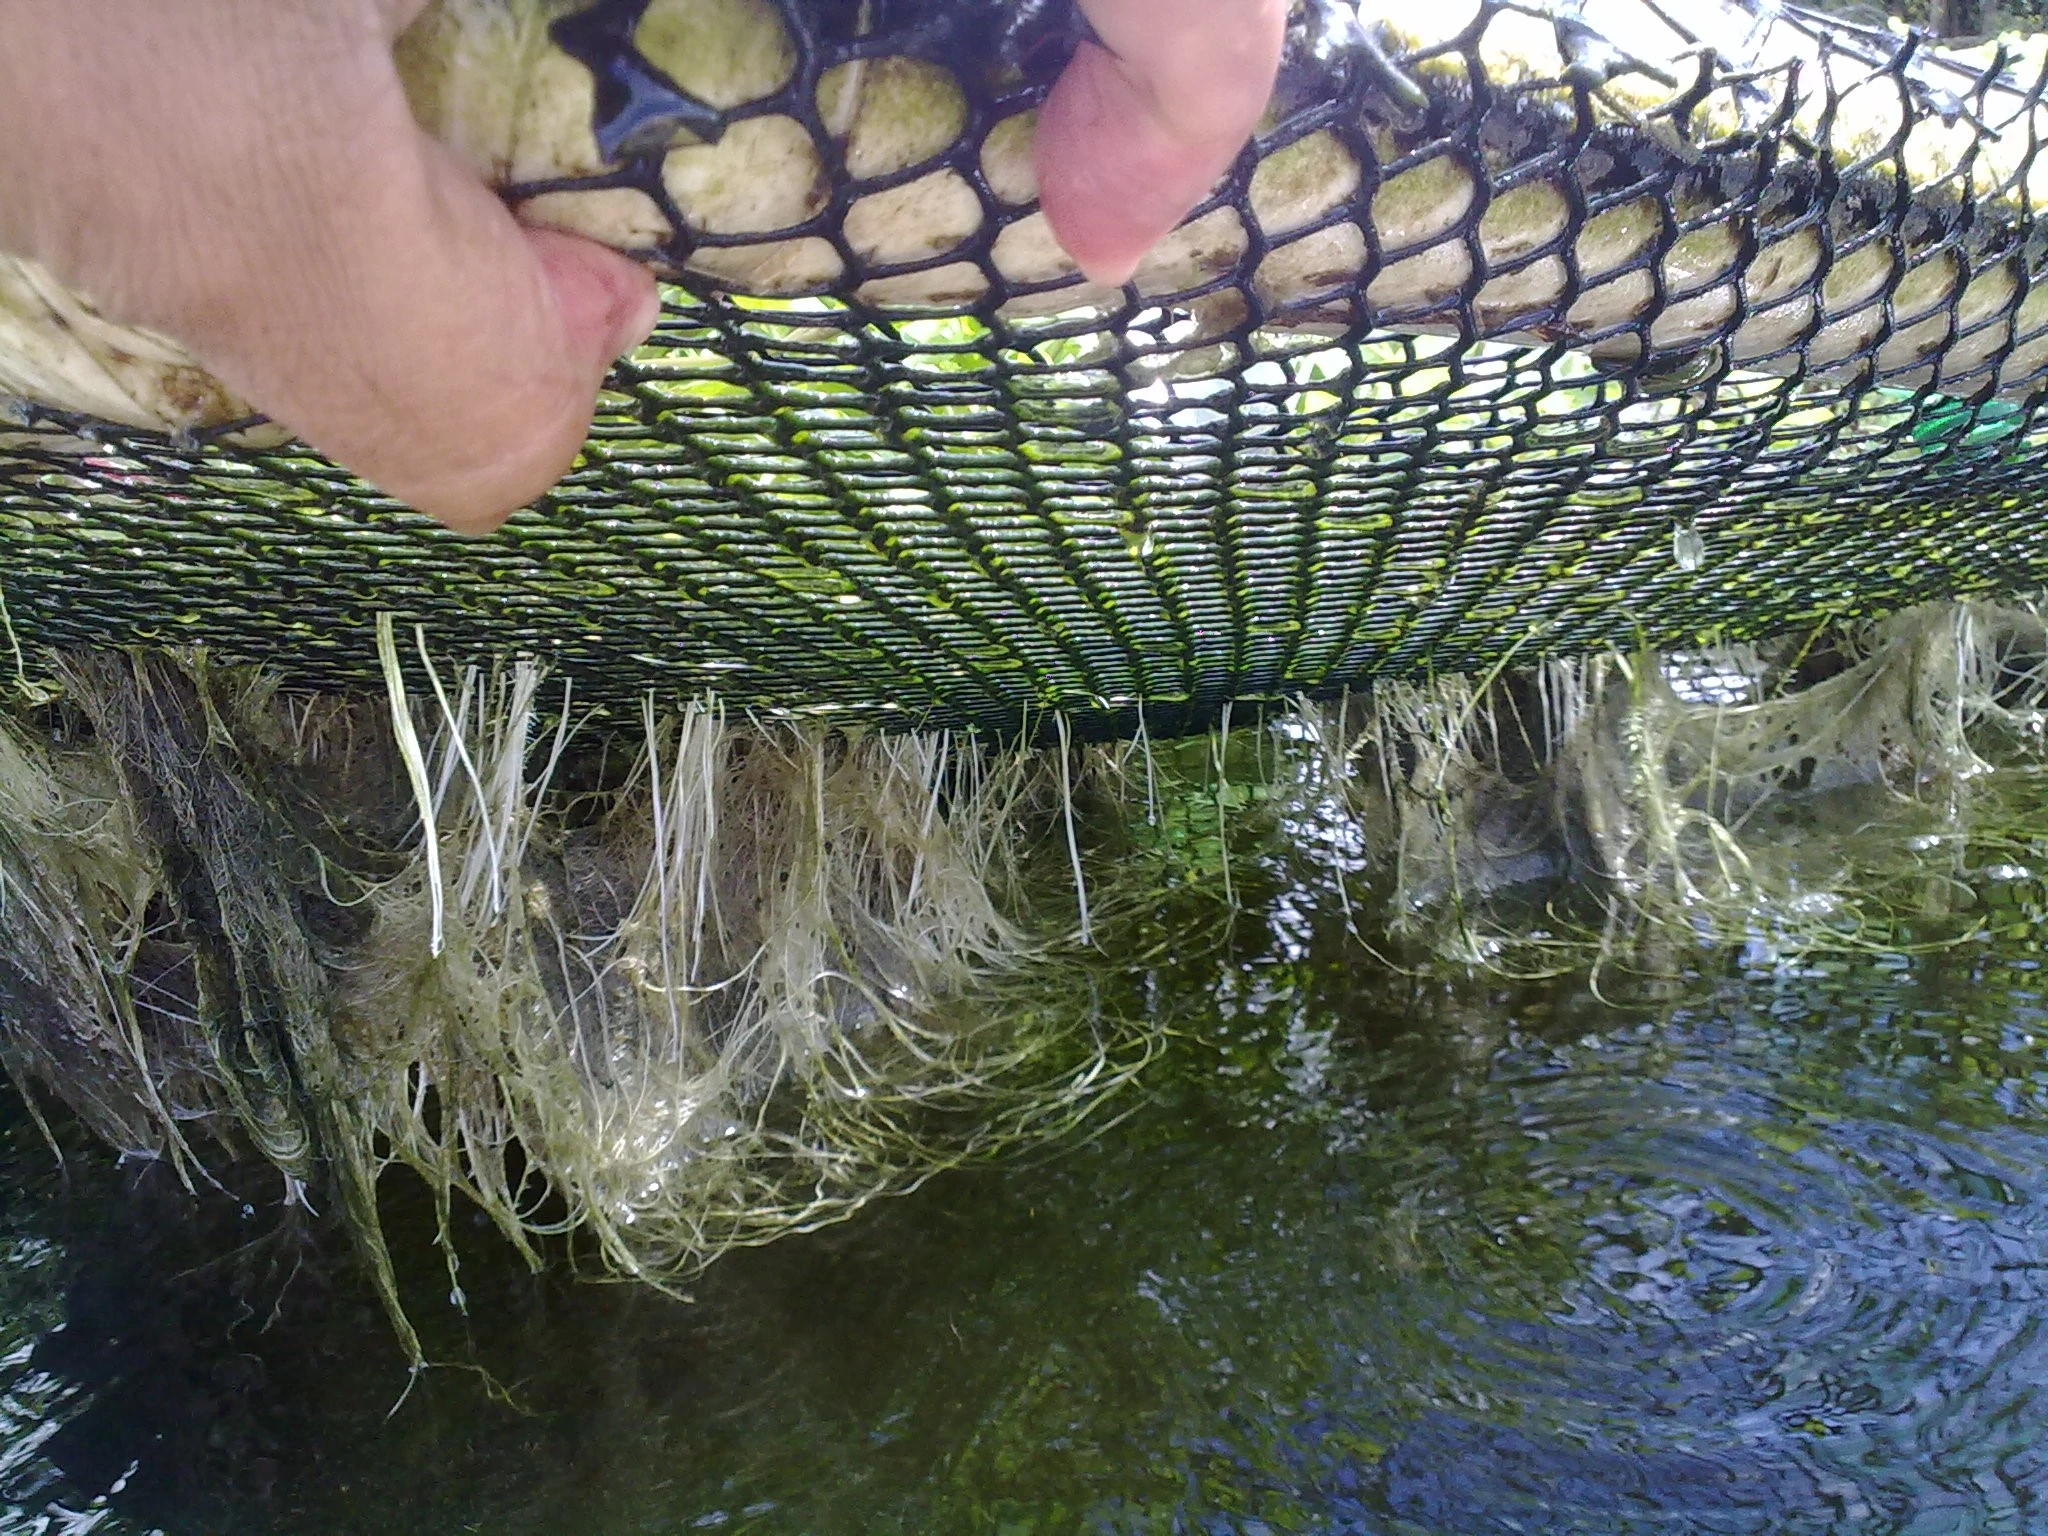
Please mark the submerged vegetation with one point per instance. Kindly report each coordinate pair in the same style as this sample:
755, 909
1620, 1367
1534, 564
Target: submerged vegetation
648, 990
668, 998
1610, 807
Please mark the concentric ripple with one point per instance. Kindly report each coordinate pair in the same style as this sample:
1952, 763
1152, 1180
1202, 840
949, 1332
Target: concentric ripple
1740, 1254
1775, 1261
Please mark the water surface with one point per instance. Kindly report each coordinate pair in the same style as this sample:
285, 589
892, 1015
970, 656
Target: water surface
1758, 1248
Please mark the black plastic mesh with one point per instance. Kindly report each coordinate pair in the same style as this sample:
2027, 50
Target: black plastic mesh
1243, 489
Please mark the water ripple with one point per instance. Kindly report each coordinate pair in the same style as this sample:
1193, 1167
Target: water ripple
1722, 1275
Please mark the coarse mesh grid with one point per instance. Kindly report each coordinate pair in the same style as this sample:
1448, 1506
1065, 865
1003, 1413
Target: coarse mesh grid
921, 490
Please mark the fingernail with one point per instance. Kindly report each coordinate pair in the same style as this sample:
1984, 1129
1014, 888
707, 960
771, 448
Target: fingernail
607, 300
1111, 273
634, 321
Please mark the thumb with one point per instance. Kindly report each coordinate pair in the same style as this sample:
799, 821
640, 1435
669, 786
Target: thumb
397, 318
1135, 132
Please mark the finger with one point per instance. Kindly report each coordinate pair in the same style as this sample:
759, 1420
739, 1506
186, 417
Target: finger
1137, 131
405, 325
397, 15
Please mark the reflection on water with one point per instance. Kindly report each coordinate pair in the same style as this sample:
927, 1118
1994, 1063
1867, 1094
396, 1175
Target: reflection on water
1756, 1250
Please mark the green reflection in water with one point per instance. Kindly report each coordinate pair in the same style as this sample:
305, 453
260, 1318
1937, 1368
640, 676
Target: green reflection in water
1762, 1248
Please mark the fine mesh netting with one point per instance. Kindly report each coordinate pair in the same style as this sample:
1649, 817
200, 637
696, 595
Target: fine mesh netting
567, 868
1513, 333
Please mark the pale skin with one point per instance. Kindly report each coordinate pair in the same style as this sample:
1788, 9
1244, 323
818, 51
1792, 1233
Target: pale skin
244, 175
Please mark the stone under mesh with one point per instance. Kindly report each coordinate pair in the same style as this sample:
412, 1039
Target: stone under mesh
998, 509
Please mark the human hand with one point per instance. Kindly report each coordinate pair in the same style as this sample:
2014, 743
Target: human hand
245, 175
1135, 132
353, 279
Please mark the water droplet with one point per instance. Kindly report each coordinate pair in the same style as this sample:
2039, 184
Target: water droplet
1687, 547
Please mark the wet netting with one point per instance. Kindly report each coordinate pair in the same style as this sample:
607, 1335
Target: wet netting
1517, 330
1519, 334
